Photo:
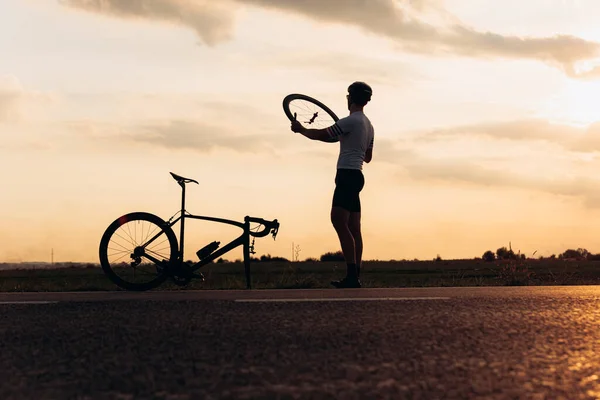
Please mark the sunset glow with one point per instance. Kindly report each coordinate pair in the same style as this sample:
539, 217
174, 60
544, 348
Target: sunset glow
486, 122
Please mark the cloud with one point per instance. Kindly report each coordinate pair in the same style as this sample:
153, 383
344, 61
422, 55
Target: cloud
531, 129
569, 137
384, 18
182, 135
563, 50
11, 95
400, 21
210, 19
387, 151
183, 122
197, 136
552, 173
371, 69
589, 141
17, 102
472, 173
463, 171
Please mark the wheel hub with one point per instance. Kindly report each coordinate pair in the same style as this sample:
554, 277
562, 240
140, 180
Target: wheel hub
138, 251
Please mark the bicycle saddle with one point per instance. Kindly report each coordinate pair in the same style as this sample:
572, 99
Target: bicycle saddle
181, 179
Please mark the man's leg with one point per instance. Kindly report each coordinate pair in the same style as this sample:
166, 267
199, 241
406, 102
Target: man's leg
354, 226
344, 199
340, 219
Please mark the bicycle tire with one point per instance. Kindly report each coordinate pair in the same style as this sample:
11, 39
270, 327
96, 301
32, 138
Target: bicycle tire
297, 96
104, 247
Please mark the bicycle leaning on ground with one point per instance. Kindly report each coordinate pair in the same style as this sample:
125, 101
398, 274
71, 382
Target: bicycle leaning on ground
145, 246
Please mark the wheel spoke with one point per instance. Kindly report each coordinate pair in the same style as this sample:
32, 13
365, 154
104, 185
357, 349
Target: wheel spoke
129, 230
119, 251
124, 255
157, 252
149, 233
305, 111
119, 244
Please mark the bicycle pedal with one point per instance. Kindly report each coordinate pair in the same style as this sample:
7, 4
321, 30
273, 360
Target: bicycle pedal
185, 270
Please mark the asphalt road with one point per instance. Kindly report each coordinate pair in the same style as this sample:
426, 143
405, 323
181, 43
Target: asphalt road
439, 343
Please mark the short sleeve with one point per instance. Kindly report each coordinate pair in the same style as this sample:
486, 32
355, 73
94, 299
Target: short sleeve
340, 128
371, 143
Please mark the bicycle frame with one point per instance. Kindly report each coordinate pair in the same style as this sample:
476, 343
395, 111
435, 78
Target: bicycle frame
242, 240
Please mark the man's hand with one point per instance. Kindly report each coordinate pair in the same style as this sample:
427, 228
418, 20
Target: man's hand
313, 134
369, 155
297, 127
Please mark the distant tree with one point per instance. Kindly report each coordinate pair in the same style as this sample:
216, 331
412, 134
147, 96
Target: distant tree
505, 254
488, 256
578, 254
221, 261
268, 258
584, 253
311, 259
335, 256
438, 258
570, 253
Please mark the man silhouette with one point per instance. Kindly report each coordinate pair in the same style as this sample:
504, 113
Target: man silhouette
356, 137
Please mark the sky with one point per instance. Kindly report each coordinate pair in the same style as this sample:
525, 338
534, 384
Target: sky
486, 117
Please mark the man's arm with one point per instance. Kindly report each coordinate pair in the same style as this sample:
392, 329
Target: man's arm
313, 134
369, 153
316, 134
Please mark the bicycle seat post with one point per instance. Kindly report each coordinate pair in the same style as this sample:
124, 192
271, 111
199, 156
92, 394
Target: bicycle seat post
181, 241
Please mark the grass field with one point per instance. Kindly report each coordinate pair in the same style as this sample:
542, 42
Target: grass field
270, 275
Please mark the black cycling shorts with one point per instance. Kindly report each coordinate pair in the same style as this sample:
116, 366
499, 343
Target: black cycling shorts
348, 184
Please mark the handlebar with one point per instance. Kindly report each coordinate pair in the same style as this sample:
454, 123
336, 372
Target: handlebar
271, 227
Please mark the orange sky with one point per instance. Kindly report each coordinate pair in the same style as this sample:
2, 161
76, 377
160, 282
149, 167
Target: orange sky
484, 116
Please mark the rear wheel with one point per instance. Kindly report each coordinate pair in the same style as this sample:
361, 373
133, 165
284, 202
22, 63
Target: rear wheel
136, 250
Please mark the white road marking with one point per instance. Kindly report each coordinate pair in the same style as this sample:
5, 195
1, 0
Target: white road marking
338, 299
28, 302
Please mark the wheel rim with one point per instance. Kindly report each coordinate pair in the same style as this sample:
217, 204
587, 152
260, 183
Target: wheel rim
128, 251
310, 114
